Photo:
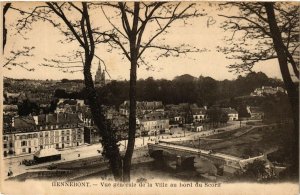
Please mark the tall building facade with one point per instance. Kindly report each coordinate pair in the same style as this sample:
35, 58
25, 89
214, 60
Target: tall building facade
29, 134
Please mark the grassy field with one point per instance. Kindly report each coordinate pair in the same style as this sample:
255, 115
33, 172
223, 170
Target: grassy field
242, 144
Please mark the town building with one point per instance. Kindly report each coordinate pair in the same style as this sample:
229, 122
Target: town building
119, 123
267, 90
11, 110
153, 123
199, 114
142, 108
29, 134
71, 106
91, 133
232, 114
177, 114
13, 98
256, 113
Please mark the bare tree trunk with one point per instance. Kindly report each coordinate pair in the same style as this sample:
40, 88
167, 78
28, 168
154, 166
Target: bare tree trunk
132, 123
5, 9
291, 87
132, 94
109, 141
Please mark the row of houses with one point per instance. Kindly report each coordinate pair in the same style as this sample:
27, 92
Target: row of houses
141, 107
267, 90
72, 125
29, 134
176, 113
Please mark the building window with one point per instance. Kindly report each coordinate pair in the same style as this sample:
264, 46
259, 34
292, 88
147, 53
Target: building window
23, 143
24, 150
4, 145
10, 145
5, 138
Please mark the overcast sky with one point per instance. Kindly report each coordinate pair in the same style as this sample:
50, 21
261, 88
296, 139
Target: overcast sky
45, 38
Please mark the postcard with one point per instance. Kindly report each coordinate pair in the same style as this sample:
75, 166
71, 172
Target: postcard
149, 97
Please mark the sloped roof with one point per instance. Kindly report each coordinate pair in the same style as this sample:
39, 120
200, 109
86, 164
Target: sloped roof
229, 110
153, 116
198, 110
70, 102
58, 118
256, 109
23, 122
46, 152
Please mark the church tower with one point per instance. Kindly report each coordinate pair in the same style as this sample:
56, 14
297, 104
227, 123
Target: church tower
99, 77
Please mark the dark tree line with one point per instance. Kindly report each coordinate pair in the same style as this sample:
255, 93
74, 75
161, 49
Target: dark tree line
204, 91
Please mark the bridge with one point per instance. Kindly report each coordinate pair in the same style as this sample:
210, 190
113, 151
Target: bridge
186, 156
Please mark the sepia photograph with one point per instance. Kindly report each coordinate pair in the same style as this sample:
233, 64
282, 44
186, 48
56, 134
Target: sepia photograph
149, 97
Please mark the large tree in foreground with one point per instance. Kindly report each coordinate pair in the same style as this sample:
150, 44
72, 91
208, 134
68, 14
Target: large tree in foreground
264, 31
82, 31
130, 37
73, 20
134, 38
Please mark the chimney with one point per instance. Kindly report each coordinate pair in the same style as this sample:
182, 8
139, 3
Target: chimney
47, 118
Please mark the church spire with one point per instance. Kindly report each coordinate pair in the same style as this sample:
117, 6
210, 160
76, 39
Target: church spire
99, 67
100, 76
